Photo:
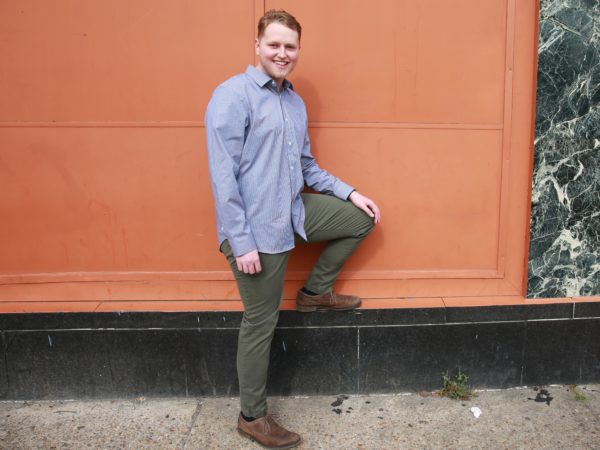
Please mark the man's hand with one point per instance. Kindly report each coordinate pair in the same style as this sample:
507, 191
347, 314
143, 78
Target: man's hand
367, 205
249, 263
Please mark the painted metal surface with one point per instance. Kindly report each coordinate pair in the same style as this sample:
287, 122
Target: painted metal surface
427, 107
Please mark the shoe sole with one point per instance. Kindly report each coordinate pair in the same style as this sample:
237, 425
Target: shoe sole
304, 308
253, 439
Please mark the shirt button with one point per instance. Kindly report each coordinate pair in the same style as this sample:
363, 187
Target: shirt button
292, 167
289, 143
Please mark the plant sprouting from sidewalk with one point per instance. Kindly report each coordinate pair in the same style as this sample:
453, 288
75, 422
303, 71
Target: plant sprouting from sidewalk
457, 387
579, 395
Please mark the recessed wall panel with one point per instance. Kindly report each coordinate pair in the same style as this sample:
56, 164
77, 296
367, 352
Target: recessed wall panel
401, 60
106, 199
134, 60
439, 192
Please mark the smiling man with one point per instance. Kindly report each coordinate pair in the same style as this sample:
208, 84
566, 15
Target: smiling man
260, 160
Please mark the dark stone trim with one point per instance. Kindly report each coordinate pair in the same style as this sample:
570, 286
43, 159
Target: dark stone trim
83, 355
587, 309
292, 319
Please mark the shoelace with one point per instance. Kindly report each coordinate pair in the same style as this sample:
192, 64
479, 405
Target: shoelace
270, 421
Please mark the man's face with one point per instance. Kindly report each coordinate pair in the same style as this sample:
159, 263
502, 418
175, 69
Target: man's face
278, 50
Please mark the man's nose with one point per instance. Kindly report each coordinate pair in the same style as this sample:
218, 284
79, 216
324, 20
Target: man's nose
281, 52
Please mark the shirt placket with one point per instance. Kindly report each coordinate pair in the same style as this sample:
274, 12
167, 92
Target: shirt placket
291, 151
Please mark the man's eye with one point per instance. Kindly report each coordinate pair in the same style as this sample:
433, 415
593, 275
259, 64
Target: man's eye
273, 45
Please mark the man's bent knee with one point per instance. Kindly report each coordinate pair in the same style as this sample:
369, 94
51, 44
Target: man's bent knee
364, 223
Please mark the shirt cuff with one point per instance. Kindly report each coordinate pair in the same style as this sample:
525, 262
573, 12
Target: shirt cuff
242, 245
342, 190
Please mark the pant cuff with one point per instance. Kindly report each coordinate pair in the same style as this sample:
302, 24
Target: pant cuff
256, 414
317, 289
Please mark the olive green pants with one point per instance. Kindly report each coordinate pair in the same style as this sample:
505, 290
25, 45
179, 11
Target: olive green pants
326, 219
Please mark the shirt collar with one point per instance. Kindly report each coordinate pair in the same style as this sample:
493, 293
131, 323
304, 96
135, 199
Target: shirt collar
262, 79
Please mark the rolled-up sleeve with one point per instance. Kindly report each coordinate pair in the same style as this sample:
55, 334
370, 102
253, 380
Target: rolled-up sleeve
226, 121
319, 179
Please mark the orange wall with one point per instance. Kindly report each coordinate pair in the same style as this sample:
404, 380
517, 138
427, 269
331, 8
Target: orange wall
426, 106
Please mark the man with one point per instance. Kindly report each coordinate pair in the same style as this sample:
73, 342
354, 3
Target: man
260, 159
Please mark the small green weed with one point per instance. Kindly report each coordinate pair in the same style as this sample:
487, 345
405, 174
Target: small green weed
579, 395
457, 387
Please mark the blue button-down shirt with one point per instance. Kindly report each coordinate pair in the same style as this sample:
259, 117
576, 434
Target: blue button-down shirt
259, 159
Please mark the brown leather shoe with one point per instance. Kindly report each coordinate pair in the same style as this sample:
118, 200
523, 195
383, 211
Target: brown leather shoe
328, 300
268, 433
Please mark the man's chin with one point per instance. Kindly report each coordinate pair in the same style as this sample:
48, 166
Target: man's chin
282, 71
278, 76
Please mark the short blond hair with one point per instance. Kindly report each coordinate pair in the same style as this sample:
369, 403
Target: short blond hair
279, 16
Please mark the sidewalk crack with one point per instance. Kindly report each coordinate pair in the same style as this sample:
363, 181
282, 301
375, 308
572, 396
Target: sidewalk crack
195, 416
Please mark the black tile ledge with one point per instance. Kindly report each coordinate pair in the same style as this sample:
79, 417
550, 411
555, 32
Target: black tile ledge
207, 320
587, 309
118, 320
509, 312
128, 362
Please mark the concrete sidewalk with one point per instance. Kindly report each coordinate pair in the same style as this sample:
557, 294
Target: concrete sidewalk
515, 418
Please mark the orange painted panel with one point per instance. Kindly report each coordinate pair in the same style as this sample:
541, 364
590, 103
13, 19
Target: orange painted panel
438, 188
585, 299
106, 199
154, 212
501, 300
434, 61
134, 60
195, 290
424, 105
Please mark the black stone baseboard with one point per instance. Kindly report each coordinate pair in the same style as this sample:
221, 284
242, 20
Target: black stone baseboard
112, 355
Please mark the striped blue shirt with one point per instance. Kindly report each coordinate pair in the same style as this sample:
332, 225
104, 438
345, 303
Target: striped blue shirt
259, 160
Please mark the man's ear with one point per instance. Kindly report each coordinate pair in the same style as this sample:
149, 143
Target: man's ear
256, 43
